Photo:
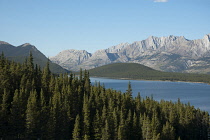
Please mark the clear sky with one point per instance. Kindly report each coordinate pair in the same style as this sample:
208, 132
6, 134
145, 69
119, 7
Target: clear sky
57, 25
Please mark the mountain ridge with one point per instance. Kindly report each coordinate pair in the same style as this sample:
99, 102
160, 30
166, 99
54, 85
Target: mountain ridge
171, 53
21, 52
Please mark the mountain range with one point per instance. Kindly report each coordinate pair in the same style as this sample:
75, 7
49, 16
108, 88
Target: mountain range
20, 53
171, 54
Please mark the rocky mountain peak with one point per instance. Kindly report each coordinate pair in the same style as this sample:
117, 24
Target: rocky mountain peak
170, 53
207, 37
117, 48
151, 37
4, 43
206, 41
74, 51
26, 44
71, 58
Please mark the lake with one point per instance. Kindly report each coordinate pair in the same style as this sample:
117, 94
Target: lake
198, 94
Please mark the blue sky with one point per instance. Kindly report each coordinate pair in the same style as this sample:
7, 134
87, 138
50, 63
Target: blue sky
56, 25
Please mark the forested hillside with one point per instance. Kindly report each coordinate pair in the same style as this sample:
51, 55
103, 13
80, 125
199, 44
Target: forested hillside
20, 53
35, 104
141, 72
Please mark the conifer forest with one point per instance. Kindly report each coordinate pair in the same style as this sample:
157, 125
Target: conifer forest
37, 104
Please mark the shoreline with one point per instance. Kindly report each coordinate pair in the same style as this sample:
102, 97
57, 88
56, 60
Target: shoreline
147, 80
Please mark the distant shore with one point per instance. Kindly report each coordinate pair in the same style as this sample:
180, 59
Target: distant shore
146, 79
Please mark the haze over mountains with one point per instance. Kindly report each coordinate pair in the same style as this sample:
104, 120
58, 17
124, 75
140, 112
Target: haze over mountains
20, 53
172, 53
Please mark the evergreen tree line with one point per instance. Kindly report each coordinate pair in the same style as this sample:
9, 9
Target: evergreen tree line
36, 104
141, 72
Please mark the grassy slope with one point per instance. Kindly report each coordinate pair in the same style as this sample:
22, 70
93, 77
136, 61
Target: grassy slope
138, 71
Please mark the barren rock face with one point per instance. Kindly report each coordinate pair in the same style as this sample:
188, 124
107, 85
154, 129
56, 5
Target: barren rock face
71, 58
172, 53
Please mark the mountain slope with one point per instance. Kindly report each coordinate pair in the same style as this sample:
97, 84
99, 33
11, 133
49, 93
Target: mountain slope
138, 71
20, 53
69, 59
172, 53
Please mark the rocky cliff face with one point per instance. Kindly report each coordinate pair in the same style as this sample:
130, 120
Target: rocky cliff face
172, 53
70, 59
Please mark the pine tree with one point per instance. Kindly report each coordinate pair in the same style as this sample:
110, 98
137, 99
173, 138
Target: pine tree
55, 119
46, 78
86, 116
32, 114
115, 124
155, 124
168, 132
129, 90
129, 125
17, 117
121, 128
87, 85
136, 128
146, 128
106, 132
44, 115
104, 115
97, 126
31, 65
77, 130
4, 114
138, 104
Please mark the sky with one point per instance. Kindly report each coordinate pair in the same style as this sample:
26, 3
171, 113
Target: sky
56, 25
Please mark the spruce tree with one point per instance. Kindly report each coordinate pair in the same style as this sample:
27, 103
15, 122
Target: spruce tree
106, 131
115, 123
44, 115
55, 120
168, 132
77, 130
32, 114
31, 65
4, 114
129, 125
129, 90
86, 118
121, 128
136, 130
46, 78
97, 126
146, 128
17, 119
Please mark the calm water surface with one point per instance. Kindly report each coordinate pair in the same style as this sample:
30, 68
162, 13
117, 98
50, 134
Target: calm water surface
198, 94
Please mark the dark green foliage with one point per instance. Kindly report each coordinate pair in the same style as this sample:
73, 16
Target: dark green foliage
76, 135
20, 53
36, 104
141, 72
32, 117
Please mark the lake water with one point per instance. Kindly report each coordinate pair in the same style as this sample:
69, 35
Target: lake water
198, 94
